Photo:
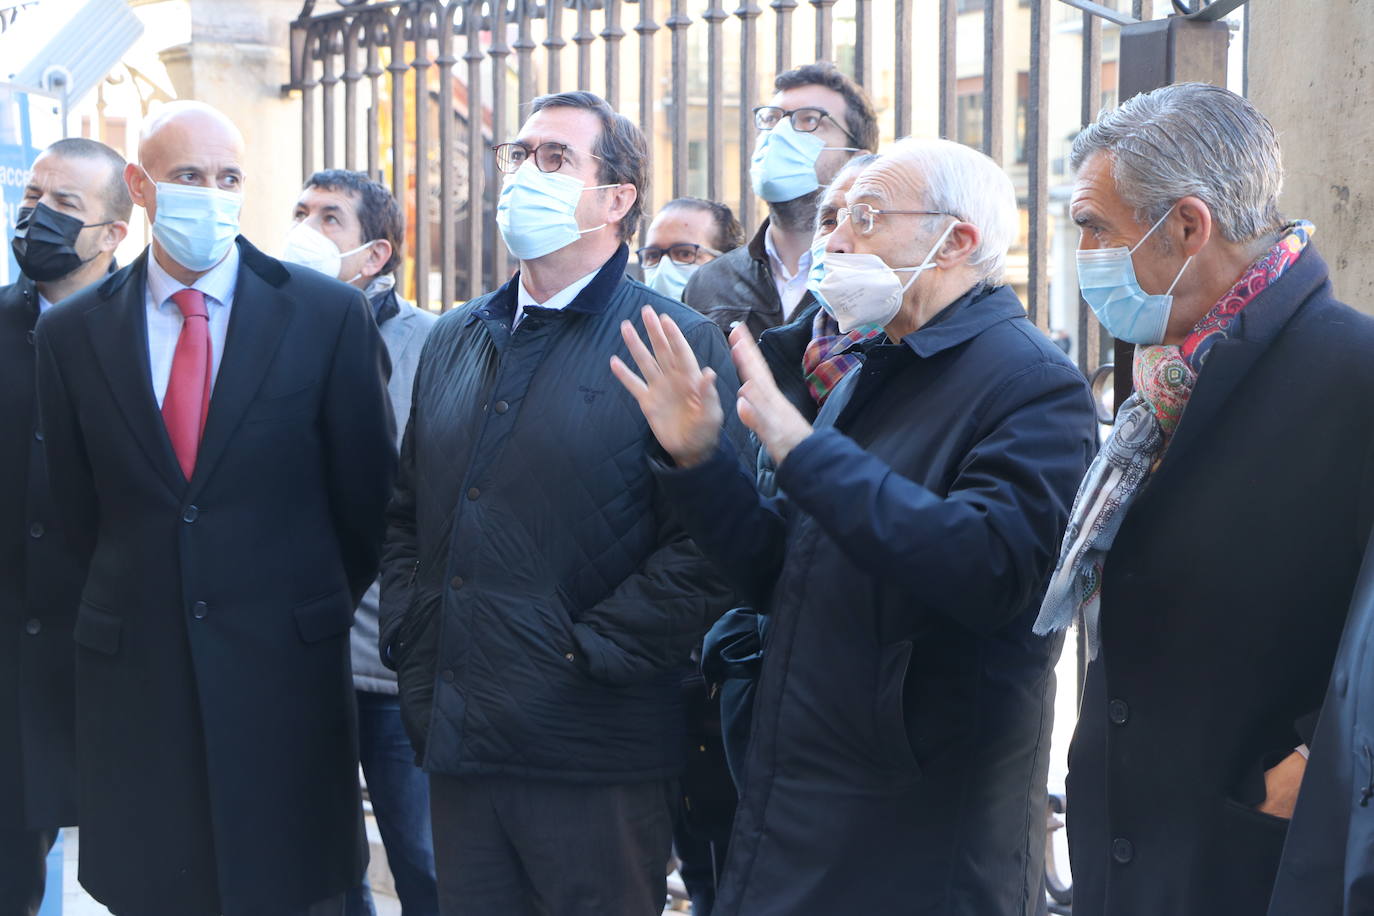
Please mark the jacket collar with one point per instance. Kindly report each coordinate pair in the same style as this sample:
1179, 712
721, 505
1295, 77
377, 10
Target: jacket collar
964, 319
1230, 360
758, 245
267, 269
500, 305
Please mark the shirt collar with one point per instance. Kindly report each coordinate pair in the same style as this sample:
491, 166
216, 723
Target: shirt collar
217, 284
592, 297
779, 268
964, 319
558, 300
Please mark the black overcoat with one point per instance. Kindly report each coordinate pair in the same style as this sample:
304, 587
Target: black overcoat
214, 699
1224, 596
40, 584
900, 734
1327, 867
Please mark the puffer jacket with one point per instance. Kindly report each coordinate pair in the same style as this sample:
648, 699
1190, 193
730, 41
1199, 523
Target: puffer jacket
538, 601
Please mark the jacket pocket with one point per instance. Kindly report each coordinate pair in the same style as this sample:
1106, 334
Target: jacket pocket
97, 630
894, 746
320, 618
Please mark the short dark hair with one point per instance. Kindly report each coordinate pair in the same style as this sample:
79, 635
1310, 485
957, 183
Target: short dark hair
860, 120
379, 214
118, 204
729, 233
621, 149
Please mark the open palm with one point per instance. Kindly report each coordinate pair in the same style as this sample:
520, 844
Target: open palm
678, 397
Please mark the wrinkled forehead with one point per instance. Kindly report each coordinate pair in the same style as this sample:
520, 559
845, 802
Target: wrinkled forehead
888, 183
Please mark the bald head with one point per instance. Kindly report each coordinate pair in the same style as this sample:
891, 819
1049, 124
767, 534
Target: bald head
186, 143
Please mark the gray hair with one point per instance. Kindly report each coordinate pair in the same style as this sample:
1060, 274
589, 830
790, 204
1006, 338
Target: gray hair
962, 181
1192, 140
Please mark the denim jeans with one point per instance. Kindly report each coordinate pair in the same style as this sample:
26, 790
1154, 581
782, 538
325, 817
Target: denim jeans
399, 791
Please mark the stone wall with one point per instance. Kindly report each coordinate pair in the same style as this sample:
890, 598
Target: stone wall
1313, 76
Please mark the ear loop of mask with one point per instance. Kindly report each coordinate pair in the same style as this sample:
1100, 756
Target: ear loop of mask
929, 262
1178, 276
349, 254
597, 187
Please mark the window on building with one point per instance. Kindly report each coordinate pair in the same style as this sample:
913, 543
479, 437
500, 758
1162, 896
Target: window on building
969, 111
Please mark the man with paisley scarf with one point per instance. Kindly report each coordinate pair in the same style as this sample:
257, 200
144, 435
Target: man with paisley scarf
1215, 542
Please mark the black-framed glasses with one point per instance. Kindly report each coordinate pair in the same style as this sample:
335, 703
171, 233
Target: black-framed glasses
682, 254
804, 120
548, 157
863, 216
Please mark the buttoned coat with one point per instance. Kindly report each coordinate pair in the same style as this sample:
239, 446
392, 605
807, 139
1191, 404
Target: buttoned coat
900, 733
1223, 600
40, 584
215, 711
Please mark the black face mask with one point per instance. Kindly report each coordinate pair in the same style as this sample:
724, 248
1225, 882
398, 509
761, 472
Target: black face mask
45, 242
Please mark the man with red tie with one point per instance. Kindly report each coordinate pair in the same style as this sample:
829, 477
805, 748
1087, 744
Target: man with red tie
220, 442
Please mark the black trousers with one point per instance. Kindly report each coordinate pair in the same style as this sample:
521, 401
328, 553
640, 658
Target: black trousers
509, 846
23, 864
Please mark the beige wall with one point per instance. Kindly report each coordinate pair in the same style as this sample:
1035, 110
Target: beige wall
1311, 75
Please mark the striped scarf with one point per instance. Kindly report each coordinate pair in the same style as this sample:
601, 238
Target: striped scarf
827, 360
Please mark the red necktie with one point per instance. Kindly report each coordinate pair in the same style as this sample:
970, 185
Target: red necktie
187, 401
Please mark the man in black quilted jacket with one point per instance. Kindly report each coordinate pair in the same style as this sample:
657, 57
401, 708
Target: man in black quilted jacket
538, 602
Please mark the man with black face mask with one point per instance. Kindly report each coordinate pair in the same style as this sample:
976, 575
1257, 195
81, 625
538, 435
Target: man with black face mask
74, 214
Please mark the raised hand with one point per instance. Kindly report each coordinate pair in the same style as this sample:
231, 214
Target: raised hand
678, 398
761, 406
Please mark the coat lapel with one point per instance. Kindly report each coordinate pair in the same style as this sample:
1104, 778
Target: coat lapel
1232, 359
257, 322
119, 337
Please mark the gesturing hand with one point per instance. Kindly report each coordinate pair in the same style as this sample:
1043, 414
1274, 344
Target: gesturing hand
761, 406
678, 399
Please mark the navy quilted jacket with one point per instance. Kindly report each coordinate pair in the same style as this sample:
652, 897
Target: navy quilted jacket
539, 603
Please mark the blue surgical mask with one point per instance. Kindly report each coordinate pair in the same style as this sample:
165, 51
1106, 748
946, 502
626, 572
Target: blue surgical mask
784, 163
196, 225
1106, 277
669, 277
537, 211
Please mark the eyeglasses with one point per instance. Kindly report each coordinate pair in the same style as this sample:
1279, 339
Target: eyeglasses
683, 254
548, 157
804, 120
863, 216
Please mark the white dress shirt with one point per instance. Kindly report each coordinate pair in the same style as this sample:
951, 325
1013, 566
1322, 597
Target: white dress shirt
791, 287
43, 304
164, 318
558, 300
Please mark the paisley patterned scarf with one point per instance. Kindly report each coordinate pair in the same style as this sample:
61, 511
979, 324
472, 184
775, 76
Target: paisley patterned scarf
1164, 379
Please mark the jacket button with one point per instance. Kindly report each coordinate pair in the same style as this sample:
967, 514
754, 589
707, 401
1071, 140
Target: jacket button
1122, 850
501, 406
473, 493
33, 626
38, 434
568, 655
36, 530
190, 515
1118, 712
456, 582
199, 610
448, 676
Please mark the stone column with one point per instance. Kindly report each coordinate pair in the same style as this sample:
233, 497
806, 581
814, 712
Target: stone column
1310, 75
237, 60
